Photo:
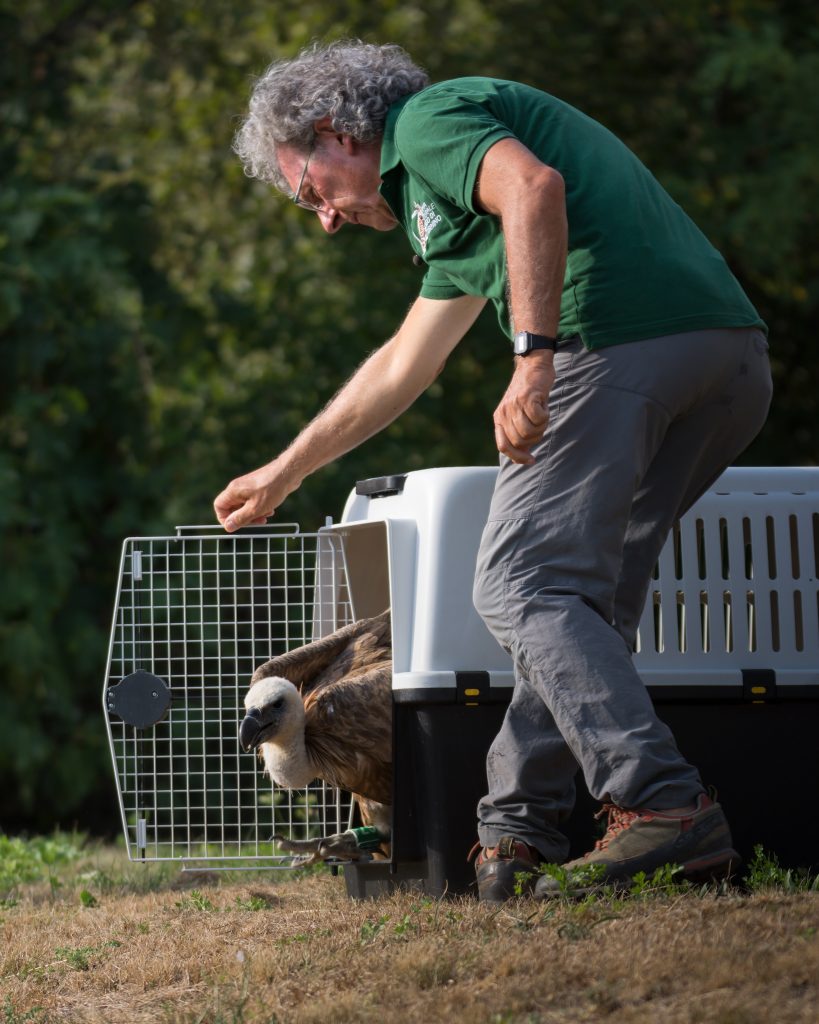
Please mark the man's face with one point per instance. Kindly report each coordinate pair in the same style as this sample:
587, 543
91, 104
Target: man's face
340, 178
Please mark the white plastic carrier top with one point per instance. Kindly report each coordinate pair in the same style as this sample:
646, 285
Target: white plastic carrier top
735, 591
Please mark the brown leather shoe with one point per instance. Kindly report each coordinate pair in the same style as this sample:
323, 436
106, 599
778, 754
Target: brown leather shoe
697, 841
496, 868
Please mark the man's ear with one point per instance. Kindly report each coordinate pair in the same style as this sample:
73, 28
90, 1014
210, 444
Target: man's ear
325, 127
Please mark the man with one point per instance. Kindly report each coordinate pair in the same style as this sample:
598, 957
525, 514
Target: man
641, 372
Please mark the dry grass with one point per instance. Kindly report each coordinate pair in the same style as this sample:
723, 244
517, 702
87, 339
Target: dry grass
300, 951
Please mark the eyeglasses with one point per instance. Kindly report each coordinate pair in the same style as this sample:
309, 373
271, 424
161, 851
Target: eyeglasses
304, 203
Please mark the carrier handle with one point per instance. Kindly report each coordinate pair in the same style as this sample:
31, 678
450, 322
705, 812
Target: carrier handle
286, 528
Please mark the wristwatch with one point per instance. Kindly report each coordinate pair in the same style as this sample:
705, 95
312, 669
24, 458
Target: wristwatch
525, 343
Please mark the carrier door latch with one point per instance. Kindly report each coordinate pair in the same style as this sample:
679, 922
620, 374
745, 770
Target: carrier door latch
140, 699
759, 685
472, 688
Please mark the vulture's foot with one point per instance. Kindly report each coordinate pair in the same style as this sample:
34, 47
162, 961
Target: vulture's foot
356, 844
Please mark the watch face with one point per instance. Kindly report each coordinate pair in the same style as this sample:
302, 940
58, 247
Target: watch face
521, 343
525, 342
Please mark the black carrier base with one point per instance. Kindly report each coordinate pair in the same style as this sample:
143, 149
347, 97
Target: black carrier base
763, 759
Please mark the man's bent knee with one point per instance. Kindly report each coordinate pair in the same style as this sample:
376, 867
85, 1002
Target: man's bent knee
488, 599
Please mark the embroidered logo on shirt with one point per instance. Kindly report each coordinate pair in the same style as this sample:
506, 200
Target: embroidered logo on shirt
425, 217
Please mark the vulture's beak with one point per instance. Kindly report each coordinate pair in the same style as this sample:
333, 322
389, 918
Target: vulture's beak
250, 729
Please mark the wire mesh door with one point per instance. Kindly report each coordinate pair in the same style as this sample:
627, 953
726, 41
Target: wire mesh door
195, 615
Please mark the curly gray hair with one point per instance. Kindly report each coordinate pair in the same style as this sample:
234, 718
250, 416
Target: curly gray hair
352, 82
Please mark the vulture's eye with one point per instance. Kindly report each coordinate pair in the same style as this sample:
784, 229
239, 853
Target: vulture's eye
278, 703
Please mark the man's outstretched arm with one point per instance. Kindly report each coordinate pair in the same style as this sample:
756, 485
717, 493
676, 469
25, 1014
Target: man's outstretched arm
383, 387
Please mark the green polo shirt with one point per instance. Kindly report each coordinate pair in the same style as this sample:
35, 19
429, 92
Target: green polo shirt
638, 267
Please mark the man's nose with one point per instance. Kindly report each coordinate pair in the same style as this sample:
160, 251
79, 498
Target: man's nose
332, 220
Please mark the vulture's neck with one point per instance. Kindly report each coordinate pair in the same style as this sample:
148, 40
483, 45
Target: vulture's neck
287, 762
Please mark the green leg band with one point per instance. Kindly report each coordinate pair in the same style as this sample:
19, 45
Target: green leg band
367, 837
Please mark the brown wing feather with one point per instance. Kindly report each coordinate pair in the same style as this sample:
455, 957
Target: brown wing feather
348, 732
351, 649
345, 680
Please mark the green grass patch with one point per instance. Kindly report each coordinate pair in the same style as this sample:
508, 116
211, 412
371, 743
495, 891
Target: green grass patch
253, 903
23, 861
79, 958
14, 1016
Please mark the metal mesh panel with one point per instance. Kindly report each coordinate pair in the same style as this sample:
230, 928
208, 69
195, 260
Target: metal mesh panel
201, 611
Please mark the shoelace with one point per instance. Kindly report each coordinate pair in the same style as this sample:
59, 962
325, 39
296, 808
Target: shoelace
487, 853
619, 820
505, 850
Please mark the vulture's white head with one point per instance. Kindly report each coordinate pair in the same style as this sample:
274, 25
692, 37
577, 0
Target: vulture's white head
274, 723
274, 713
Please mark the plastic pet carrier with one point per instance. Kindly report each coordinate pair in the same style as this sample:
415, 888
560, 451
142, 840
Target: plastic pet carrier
728, 647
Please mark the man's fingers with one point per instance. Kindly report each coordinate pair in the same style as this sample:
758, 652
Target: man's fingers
261, 521
522, 417
521, 455
225, 504
518, 429
535, 407
531, 419
247, 515
235, 510
527, 433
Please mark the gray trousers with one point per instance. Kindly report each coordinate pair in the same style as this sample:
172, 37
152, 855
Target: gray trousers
637, 433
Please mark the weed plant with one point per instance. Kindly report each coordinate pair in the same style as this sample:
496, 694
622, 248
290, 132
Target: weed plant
765, 873
195, 900
12, 1016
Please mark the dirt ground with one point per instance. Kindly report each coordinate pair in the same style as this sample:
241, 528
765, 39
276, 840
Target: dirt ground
147, 946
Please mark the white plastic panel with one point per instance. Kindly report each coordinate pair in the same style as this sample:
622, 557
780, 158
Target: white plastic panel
735, 587
434, 530
737, 584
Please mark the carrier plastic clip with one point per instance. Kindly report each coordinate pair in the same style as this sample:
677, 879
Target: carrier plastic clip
759, 685
472, 688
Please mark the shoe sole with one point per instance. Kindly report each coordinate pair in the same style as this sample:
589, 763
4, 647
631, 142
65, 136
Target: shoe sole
716, 867
501, 893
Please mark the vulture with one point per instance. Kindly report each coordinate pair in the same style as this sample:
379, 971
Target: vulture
324, 711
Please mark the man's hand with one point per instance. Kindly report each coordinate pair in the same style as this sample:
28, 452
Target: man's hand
250, 499
523, 414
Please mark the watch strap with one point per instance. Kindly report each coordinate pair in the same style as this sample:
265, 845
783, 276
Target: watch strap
526, 342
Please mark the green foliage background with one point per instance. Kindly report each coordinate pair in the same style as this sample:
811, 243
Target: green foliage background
167, 324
